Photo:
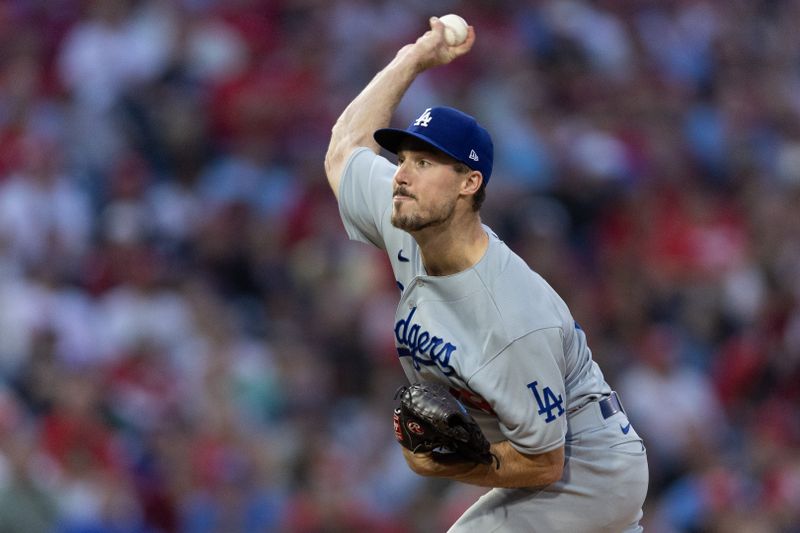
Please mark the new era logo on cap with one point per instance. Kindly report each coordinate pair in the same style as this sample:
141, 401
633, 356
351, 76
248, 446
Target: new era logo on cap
449, 130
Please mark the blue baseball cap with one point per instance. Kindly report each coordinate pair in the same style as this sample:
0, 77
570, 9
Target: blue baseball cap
448, 130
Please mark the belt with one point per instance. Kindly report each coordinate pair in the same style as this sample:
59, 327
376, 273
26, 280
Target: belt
594, 413
610, 405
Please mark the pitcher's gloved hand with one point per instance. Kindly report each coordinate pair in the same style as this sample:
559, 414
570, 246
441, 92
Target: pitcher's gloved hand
430, 419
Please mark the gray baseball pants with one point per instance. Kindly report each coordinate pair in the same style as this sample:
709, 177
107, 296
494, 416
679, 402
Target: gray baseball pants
602, 490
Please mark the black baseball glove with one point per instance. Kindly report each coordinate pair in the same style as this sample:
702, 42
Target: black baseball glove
430, 419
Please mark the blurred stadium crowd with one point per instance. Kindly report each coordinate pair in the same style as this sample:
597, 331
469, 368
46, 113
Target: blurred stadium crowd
188, 342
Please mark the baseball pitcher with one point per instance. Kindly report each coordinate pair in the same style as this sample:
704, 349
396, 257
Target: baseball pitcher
475, 321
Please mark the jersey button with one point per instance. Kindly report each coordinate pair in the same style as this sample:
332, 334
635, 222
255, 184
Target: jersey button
420, 283
411, 304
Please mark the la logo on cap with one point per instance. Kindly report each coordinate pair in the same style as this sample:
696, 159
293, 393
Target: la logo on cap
424, 118
453, 132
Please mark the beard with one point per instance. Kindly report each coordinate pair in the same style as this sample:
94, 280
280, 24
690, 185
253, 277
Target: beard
411, 222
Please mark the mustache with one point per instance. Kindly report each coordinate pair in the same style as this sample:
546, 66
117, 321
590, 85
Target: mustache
402, 191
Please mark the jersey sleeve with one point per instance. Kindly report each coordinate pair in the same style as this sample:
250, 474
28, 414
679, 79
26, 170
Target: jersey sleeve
524, 384
365, 196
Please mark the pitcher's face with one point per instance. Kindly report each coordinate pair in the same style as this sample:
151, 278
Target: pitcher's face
425, 190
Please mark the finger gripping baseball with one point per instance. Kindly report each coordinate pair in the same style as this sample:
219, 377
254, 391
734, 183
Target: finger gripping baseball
430, 419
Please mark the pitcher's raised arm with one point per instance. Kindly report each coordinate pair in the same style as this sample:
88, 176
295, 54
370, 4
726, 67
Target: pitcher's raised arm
373, 107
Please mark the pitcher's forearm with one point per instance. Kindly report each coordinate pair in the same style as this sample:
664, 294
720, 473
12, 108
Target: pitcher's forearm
513, 469
372, 108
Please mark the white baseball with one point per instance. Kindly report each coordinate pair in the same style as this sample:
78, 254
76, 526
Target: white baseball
455, 29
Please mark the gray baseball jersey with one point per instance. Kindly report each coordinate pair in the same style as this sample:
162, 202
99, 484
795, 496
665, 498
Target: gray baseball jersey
497, 332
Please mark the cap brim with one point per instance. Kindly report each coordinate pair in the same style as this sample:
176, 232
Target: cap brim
392, 138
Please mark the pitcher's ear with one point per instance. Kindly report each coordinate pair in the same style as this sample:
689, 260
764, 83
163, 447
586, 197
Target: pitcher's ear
472, 182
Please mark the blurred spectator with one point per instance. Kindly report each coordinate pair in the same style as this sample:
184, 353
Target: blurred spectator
44, 214
672, 404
